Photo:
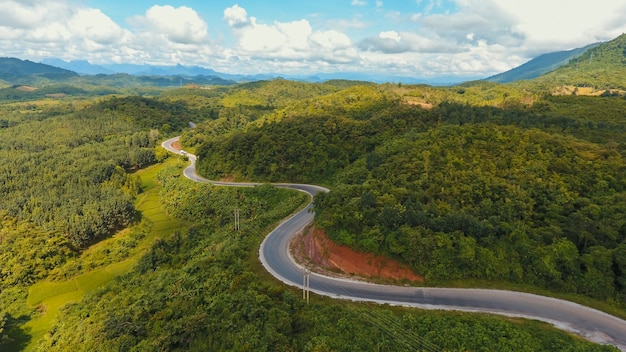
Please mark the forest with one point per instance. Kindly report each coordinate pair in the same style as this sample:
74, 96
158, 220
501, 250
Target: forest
531, 195
491, 185
197, 290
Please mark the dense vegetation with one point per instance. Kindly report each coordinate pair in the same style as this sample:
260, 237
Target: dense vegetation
195, 291
602, 67
480, 181
490, 202
67, 182
25, 72
531, 195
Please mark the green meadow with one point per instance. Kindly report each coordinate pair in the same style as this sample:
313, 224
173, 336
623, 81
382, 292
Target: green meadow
47, 297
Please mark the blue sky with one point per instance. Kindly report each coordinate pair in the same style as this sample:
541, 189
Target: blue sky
417, 38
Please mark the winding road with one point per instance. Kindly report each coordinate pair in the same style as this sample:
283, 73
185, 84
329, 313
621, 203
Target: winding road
589, 323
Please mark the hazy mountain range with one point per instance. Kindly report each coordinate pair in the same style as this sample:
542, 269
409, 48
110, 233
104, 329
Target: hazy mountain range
16, 71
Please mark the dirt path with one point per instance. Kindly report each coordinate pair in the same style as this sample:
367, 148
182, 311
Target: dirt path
315, 251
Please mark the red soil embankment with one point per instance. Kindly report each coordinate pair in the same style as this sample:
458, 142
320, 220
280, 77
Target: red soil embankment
315, 251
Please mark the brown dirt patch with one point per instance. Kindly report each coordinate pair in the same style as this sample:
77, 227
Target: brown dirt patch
315, 251
26, 88
422, 104
176, 145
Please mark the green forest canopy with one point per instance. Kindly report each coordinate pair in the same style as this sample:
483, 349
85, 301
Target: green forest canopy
491, 183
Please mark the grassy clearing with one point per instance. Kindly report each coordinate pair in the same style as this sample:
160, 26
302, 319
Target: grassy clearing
43, 290
49, 309
102, 262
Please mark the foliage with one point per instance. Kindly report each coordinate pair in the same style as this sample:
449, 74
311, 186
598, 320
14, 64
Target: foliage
67, 180
602, 67
195, 291
457, 191
518, 187
19, 71
478, 200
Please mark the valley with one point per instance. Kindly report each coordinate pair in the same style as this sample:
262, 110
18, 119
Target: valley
105, 245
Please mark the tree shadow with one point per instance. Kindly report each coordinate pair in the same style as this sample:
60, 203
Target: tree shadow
14, 337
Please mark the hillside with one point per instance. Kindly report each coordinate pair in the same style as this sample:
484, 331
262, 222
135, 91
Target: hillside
461, 190
540, 65
16, 71
598, 69
457, 174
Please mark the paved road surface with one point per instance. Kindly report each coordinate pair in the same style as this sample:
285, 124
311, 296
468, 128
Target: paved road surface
274, 253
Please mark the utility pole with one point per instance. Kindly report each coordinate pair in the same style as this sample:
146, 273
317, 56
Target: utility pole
236, 219
306, 285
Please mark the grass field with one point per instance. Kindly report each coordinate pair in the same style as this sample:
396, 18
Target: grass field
48, 297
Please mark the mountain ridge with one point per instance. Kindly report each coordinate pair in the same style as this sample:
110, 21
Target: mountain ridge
600, 68
16, 71
540, 65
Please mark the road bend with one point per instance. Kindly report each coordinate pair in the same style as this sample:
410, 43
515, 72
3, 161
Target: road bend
275, 256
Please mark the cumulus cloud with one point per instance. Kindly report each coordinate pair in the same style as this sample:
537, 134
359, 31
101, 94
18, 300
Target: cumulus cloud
565, 24
392, 42
389, 42
330, 40
180, 25
473, 37
236, 16
288, 42
54, 28
494, 36
31, 14
94, 25
485, 19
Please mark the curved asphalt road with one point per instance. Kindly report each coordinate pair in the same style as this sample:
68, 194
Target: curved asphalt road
274, 253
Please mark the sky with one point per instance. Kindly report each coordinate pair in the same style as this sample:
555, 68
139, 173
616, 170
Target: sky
415, 38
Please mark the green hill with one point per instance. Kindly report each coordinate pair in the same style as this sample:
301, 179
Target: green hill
598, 69
18, 71
540, 65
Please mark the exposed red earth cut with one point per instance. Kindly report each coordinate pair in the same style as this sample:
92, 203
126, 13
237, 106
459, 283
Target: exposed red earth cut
315, 251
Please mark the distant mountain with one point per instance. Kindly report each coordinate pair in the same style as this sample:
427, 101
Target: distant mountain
16, 71
151, 70
82, 67
540, 65
86, 68
602, 67
381, 78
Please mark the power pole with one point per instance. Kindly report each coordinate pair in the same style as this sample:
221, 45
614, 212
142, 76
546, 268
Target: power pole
236, 219
306, 285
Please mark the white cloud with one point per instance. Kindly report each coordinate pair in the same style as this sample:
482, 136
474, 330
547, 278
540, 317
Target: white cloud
478, 37
293, 44
262, 38
31, 14
56, 29
330, 40
236, 16
563, 23
92, 24
390, 35
180, 25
